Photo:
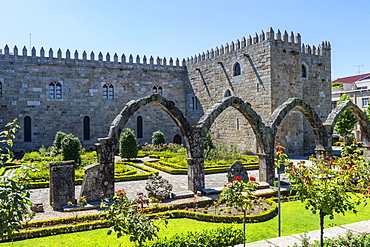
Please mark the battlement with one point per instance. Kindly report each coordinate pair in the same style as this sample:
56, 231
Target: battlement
7, 55
270, 35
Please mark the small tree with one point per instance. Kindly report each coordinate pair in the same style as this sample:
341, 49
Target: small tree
238, 194
324, 186
71, 148
125, 218
158, 138
14, 194
346, 120
128, 145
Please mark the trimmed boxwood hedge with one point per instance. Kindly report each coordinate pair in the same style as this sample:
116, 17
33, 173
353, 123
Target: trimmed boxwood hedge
177, 169
42, 183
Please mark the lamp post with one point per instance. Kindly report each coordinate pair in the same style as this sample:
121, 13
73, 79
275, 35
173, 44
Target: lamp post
280, 169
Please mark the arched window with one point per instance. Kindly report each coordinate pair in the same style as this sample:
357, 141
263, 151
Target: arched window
177, 139
105, 91
108, 91
111, 92
139, 127
236, 70
155, 89
304, 71
27, 129
58, 91
1, 89
160, 90
51, 91
227, 93
86, 128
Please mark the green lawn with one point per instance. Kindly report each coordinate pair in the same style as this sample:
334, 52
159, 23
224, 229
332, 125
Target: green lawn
295, 219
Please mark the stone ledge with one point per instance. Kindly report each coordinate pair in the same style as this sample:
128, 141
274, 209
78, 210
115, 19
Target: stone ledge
182, 194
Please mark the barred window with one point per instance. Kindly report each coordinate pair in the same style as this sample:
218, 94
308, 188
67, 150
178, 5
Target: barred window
51, 91
55, 90
111, 92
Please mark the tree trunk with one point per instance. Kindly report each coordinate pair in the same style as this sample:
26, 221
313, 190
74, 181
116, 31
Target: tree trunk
322, 215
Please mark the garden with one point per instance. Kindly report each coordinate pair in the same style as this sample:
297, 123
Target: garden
335, 190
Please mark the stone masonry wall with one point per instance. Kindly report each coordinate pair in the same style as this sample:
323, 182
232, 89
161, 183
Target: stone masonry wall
25, 81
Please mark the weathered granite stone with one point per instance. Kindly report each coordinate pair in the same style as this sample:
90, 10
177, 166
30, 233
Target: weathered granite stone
62, 184
237, 170
98, 178
158, 187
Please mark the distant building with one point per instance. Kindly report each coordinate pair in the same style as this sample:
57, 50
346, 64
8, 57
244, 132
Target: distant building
358, 88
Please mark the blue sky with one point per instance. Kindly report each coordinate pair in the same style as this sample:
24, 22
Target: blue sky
180, 29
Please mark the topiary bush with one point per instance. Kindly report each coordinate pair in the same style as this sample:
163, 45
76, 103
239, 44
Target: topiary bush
128, 145
71, 148
158, 138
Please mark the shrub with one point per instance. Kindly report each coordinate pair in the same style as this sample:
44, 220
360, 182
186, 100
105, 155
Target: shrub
158, 138
219, 237
127, 144
58, 139
71, 148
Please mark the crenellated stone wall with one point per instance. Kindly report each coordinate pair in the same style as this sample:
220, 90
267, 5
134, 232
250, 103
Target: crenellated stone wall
270, 72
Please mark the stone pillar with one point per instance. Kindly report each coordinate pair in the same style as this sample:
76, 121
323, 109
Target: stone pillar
98, 178
196, 181
62, 184
267, 168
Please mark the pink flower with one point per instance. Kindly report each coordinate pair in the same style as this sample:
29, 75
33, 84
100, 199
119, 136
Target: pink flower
237, 178
252, 179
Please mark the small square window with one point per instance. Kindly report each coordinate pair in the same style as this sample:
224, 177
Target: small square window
365, 102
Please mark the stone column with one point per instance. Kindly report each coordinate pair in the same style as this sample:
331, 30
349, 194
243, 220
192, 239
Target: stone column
196, 180
267, 168
62, 184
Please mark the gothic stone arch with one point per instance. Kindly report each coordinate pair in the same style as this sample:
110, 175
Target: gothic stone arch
357, 112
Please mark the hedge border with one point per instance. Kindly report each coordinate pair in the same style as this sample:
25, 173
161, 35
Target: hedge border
102, 223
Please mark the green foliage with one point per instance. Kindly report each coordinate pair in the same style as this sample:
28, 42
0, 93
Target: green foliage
125, 218
127, 144
71, 148
337, 85
220, 237
208, 146
346, 120
158, 138
6, 141
322, 186
58, 139
222, 151
14, 194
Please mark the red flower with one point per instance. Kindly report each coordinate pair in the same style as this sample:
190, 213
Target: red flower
237, 178
228, 184
252, 179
